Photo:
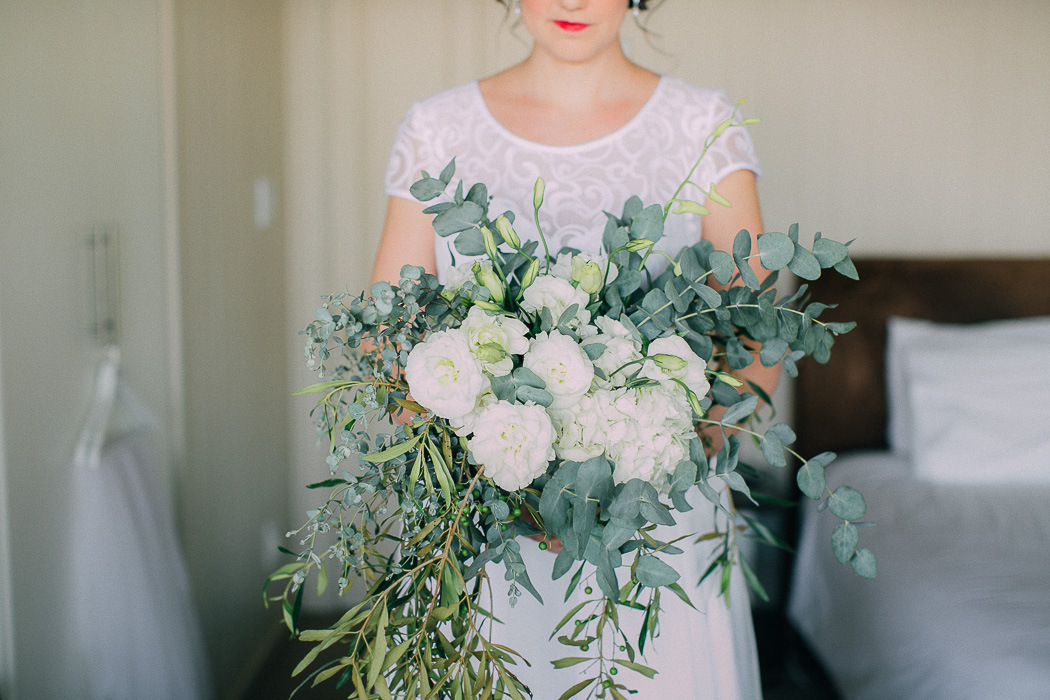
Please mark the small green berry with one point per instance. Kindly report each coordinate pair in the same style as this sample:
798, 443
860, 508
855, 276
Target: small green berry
543, 545
588, 590
516, 512
503, 527
586, 647
606, 683
623, 648
614, 670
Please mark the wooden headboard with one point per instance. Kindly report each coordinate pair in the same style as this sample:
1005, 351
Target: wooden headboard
841, 405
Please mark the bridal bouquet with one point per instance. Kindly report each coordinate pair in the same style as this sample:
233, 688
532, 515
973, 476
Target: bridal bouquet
555, 395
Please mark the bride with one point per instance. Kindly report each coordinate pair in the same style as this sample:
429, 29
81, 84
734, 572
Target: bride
598, 129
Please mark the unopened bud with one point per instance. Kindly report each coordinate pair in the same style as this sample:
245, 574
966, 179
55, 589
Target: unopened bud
488, 279
531, 273
507, 231
537, 192
490, 242
588, 274
672, 363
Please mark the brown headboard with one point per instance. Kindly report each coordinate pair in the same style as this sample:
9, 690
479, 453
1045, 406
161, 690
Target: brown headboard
841, 405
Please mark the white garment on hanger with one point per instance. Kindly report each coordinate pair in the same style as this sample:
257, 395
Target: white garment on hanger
135, 624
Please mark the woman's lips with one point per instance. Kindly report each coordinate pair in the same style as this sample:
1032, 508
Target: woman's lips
571, 26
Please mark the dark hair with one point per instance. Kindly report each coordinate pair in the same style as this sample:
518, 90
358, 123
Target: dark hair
642, 4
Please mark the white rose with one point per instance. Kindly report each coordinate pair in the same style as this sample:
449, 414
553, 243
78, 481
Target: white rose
494, 338
557, 295
514, 442
444, 376
456, 277
562, 364
690, 369
620, 349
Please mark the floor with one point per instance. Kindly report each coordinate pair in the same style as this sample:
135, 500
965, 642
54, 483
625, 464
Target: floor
789, 669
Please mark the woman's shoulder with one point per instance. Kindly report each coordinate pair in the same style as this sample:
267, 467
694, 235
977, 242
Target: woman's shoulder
679, 94
447, 102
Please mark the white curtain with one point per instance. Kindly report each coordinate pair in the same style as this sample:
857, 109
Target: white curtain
135, 625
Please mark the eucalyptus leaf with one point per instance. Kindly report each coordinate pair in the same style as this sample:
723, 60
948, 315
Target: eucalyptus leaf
654, 573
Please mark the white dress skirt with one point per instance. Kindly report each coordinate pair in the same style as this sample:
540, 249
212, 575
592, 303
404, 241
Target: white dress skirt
707, 653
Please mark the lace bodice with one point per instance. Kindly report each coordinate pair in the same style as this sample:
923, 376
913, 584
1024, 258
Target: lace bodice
649, 157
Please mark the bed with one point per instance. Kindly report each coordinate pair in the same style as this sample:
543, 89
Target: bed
943, 423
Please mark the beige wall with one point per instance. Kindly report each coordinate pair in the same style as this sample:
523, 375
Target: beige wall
232, 491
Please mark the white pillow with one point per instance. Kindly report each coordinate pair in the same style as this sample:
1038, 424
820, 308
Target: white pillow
905, 337
981, 418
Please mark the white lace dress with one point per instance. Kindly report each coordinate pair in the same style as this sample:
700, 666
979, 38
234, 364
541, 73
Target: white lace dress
703, 654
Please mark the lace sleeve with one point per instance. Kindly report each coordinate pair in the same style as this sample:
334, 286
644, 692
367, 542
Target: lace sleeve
734, 150
409, 154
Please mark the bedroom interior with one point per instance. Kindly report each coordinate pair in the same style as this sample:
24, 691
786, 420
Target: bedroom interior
917, 128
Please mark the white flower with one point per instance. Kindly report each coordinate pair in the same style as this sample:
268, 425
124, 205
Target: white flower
514, 442
620, 349
464, 425
567, 265
456, 277
689, 368
588, 429
562, 364
444, 376
557, 295
656, 434
494, 338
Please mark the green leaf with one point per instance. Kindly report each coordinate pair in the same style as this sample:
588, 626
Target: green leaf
654, 573
775, 250
722, 266
465, 216
392, 452
426, 189
690, 207
648, 223
577, 689
448, 172
846, 268
804, 264
847, 503
863, 563
773, 449
470, 242
715, 197
531, 393
828, 252
752, 580
740, 410
811, 479
650, 508
844, 540
570, 661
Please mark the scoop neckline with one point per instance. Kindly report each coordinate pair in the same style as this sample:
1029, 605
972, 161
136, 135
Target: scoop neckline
508, 134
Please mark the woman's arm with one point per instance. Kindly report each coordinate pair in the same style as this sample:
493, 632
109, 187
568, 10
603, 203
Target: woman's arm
408, 239
721, 227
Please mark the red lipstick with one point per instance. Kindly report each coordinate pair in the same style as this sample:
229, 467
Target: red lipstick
571, 26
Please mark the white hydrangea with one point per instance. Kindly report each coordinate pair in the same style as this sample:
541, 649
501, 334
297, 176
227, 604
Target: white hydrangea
562, 364
514, 442
494, 339
589, 428
620, 349
656, 433
444, 376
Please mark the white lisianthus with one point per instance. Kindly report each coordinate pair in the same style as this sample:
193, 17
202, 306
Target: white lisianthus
514, 442
689, 369
567, 264
587, 429
563, 366
656, 434
494, 338
557, 295
620, 349
464, 425
444, 376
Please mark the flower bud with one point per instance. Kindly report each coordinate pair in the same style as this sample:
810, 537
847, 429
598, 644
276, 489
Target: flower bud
531, 273
490, 353
488, 279
638, 244
672, 363
588, 274
490, 243
507, 231
537, 192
